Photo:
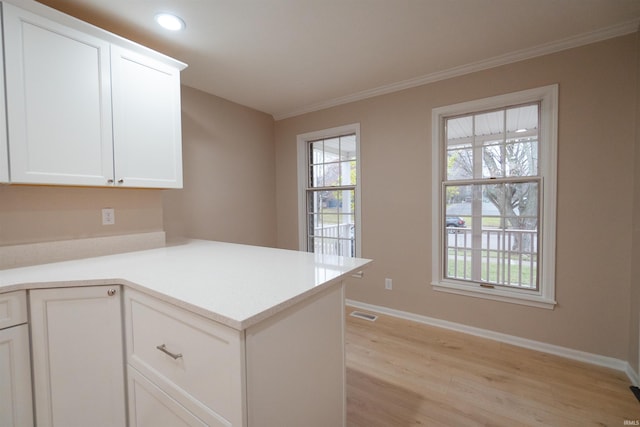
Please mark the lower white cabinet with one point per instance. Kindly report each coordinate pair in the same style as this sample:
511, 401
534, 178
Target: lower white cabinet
15, 370
186, 370
182, 369
182, 364
77, 346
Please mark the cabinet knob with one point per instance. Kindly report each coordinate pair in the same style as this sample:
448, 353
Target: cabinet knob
121, 181
111, 292
109, 181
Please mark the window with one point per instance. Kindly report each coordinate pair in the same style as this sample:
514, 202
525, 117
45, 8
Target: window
329, 194
494, 196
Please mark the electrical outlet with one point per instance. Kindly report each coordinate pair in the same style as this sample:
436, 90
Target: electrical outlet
388, 283
108, 216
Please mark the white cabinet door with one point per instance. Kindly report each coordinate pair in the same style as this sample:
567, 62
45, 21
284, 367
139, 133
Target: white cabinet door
146, 121
58, 102
15, 374
78, 370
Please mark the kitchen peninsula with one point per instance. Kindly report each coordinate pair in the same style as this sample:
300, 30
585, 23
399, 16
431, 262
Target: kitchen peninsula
212, 334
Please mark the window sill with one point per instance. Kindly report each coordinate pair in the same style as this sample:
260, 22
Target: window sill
496, 295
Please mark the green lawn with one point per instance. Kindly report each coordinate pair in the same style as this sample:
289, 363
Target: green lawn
518, 276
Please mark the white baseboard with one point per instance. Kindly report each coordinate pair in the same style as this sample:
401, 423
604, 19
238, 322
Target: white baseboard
595, 359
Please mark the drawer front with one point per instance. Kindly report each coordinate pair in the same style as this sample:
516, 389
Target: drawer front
149, 406
13, 309
186, 354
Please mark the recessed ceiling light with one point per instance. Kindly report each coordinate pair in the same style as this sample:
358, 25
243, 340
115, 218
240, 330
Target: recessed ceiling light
170, 22
521, 130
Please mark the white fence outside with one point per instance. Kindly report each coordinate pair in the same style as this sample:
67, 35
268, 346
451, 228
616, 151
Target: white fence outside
506, 257
335, 239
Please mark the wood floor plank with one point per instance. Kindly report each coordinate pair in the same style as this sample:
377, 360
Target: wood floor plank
403, 373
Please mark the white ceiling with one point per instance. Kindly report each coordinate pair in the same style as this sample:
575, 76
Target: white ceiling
286, 57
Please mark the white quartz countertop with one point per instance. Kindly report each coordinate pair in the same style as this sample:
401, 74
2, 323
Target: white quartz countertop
237, 285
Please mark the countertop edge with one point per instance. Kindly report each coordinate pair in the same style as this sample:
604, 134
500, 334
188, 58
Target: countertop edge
235, 324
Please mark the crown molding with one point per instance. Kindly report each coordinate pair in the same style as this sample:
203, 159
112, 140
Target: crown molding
496, 61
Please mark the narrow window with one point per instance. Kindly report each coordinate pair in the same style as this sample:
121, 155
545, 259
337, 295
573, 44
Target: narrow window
329, 192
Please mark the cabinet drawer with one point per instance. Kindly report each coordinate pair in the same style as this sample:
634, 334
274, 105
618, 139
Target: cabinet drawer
186, 354
13, 309
153, 407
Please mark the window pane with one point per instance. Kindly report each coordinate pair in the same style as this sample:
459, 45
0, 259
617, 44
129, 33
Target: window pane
459, 148
331, 174
522, 121
460, 162
456, 195
521, 158
503, 249
347, 201
348, 173
489, 126
317, 152
348, 147
331, 155
490, 135
459, 130
522, 141
492, 160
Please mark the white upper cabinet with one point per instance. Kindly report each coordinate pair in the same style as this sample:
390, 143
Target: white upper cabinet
81, 110
58, 102
146, 121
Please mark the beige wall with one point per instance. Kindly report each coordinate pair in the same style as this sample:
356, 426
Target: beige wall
229, 176
634, 324
31, 214
229, 191
596, 140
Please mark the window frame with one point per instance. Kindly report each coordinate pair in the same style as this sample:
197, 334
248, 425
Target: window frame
544, 297
303, 167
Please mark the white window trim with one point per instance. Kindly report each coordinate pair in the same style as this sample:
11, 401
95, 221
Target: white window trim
302, 140
545, 296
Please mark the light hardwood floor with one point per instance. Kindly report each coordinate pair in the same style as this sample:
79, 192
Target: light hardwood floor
403, 373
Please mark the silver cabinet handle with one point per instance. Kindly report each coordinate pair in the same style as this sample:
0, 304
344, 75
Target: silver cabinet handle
111, 292
163, 348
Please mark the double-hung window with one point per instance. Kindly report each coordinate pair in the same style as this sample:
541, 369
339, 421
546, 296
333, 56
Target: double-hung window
494, 190
329, 193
